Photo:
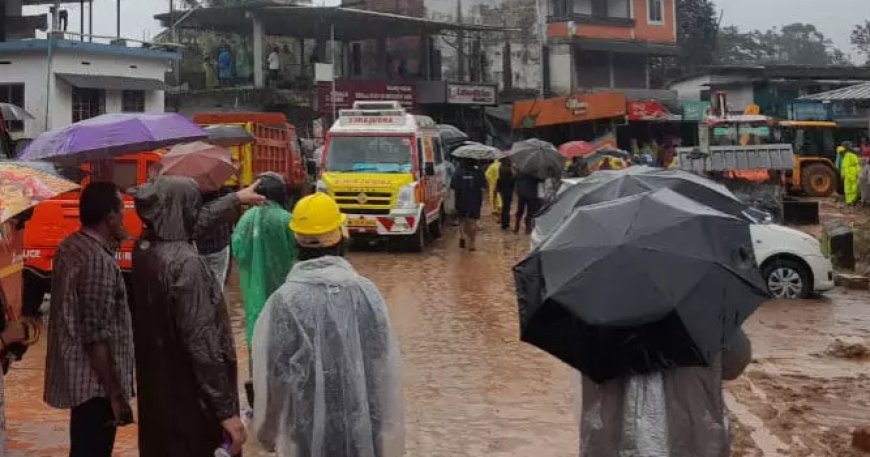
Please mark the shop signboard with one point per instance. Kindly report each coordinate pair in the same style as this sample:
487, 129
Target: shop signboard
347, 92
650, 110
695, 110
568, 110
472, 94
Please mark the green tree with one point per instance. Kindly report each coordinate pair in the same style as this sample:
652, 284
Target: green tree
861, 39
797, 43
697, 33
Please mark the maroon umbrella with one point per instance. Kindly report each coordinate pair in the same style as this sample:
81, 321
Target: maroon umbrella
209, 165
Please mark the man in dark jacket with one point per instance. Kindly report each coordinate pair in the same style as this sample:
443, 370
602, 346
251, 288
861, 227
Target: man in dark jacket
215, 223
528, 203
505, 188
185, 355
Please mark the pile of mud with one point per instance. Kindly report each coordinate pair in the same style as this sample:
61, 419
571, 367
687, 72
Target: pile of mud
841, 350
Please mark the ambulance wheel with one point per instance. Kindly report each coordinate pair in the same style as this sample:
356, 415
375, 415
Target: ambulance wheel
436, 229
417, 241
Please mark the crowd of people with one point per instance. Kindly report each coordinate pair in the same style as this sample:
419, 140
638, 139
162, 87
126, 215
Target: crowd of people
325, 371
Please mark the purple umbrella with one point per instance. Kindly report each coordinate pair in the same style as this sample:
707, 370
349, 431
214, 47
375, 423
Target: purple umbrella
111, 135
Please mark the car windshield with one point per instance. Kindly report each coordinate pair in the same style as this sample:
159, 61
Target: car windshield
366, 154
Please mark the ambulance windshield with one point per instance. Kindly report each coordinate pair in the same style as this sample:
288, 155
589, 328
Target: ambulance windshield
369, 154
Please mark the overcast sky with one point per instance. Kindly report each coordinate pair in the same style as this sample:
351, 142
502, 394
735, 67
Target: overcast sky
834, 17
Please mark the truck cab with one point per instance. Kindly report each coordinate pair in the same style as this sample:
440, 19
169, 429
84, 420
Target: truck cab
55, 219
385, 168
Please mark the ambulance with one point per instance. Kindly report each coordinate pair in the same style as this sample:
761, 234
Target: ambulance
385, 168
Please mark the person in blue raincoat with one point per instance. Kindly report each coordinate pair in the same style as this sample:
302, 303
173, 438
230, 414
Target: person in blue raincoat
225, 65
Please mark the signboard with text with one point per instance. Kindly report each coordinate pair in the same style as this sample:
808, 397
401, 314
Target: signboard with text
566, 110
347, 92
472, 94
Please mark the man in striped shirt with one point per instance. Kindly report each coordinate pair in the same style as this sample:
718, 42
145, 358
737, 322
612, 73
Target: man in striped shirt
89, 365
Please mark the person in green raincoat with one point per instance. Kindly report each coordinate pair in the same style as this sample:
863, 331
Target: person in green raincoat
265, 250
850, 169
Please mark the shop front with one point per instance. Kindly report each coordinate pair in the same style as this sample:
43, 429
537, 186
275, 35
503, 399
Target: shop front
576, 117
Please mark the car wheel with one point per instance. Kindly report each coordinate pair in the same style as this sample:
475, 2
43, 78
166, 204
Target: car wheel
787, 279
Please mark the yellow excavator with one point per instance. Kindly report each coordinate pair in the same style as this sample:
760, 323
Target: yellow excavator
814, 173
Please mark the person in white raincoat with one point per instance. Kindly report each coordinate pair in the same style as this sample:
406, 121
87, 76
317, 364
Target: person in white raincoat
326, 360
676, 413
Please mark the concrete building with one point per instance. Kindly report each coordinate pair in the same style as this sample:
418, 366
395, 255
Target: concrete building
62, 79
772, 87
606, 44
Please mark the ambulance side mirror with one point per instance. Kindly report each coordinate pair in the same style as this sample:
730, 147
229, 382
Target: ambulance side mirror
429, 169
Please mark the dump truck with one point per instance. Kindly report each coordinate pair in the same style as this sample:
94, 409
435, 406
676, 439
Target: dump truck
276, 148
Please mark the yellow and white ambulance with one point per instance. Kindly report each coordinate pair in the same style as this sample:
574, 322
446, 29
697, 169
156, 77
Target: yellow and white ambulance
385, 168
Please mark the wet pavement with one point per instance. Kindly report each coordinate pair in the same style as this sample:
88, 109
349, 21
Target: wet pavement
472, 389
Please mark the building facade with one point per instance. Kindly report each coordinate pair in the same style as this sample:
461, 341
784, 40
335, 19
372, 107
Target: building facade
63, 77
774, 88
607, 44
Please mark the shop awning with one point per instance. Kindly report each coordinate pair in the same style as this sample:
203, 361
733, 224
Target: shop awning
111, 82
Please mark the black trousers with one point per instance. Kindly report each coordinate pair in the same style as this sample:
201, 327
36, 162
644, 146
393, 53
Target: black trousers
91, 429
527, 209
507, 197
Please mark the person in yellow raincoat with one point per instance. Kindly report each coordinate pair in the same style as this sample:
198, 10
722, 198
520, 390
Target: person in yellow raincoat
492, 180
850, 168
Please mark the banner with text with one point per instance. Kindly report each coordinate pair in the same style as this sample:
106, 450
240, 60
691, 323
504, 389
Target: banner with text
347, 92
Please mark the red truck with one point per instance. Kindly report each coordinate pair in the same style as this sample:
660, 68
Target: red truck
55, 219
276, 148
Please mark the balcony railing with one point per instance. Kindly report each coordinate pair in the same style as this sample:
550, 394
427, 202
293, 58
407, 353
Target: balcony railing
615, 21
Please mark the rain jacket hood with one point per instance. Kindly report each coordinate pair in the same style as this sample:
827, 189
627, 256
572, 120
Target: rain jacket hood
327, 367
185, 355
168, 207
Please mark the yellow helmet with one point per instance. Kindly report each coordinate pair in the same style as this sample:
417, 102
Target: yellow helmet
317, 215
841, 149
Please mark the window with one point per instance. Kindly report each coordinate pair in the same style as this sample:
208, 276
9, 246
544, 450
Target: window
14, 94
125, 174
356, 53
389, 154
133, 101
87, 103
656, 11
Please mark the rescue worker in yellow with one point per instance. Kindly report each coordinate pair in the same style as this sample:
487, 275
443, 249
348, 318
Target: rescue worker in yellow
850, 169
491, 180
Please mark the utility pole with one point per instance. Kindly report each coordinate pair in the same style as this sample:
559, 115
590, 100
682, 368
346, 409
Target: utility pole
460, 43
118, 18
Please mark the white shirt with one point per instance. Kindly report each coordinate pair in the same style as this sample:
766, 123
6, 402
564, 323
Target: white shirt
274, 61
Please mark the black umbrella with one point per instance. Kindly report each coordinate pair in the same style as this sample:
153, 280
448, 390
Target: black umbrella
537, 158
639, 284
611, 185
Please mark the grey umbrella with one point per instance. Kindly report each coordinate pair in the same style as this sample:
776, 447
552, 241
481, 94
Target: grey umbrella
477, 151
14, 112
611, 185
537, 158
639, 284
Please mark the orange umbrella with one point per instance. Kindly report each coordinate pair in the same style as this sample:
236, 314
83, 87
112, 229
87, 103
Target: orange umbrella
24, 184
209, 165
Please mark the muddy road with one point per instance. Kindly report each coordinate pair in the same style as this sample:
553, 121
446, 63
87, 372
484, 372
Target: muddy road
472, 389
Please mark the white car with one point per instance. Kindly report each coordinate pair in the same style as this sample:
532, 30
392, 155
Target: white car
793, 263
